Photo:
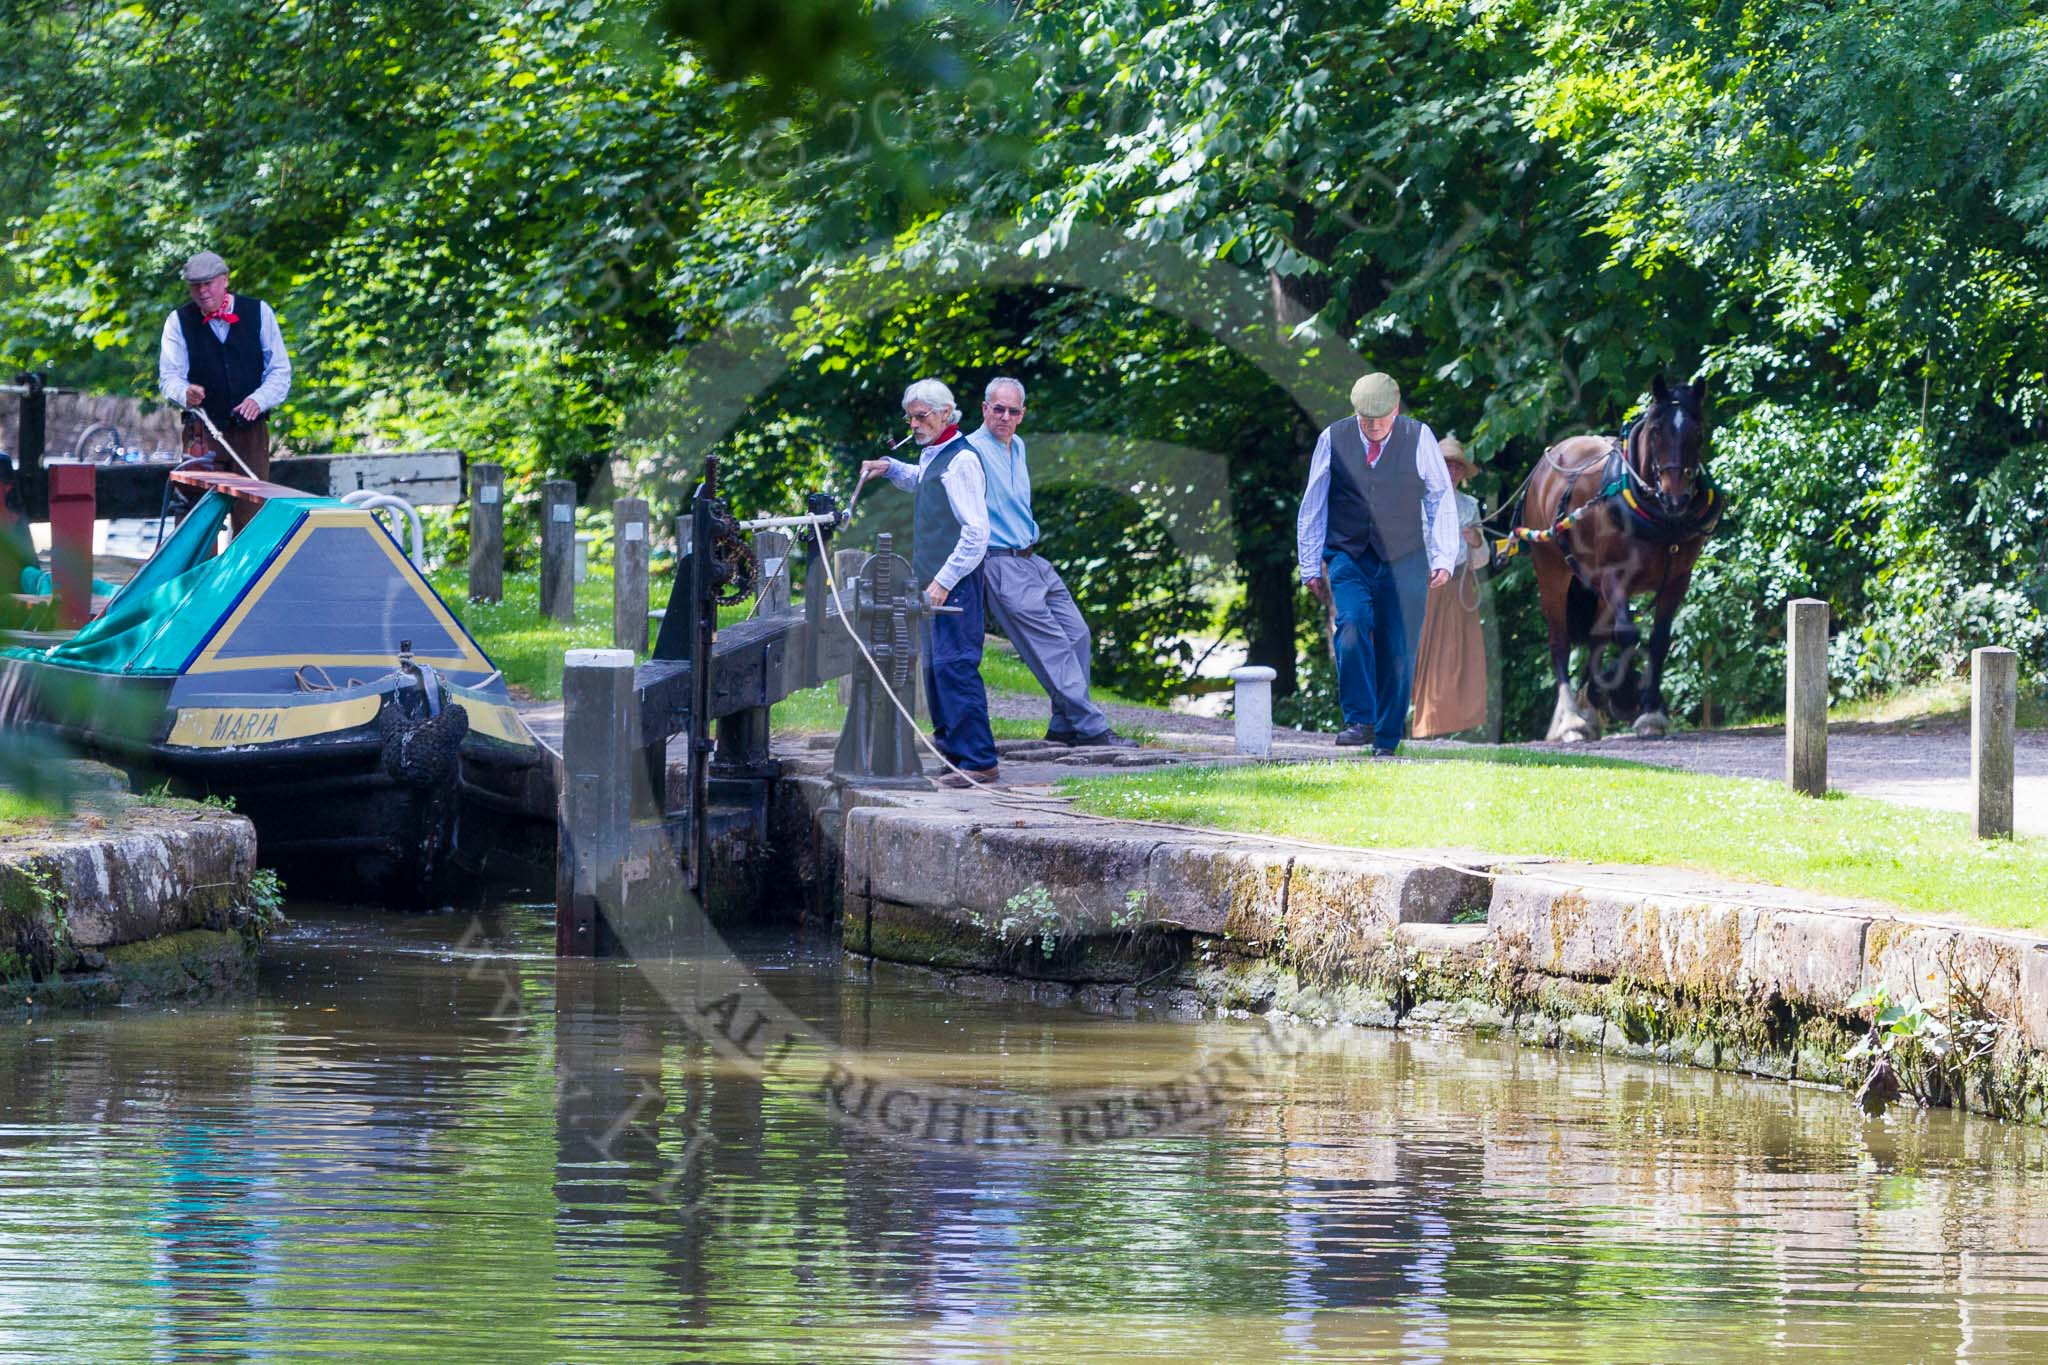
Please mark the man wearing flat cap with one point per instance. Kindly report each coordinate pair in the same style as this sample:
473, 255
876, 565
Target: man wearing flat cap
1377, 530
222, 353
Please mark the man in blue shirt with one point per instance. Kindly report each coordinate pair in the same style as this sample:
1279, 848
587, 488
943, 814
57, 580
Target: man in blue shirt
1025, 595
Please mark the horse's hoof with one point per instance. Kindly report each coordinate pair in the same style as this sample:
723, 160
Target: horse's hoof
1652, 725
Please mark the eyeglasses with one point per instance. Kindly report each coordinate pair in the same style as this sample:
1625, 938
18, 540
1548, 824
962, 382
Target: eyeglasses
1005, 410
924, 416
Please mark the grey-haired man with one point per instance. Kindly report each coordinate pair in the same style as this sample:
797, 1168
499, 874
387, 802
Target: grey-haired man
1377, 529
1025, 593
224, 354
948, 536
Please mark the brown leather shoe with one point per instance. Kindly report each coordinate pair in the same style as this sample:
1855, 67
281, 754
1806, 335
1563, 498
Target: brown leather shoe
981, 777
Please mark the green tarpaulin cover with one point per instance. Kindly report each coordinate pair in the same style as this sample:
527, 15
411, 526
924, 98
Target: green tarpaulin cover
163, 614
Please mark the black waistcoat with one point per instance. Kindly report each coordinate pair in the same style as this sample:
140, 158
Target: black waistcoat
1376, 507
228, 370
935, 529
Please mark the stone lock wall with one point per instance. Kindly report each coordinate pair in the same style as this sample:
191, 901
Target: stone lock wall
133, 900
1639, 962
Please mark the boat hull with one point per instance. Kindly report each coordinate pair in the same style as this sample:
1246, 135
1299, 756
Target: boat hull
365, 792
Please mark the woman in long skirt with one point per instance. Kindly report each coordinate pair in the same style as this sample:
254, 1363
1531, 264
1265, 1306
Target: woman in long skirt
1450, 661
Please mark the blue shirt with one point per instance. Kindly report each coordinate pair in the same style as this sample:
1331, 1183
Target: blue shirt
1010, 524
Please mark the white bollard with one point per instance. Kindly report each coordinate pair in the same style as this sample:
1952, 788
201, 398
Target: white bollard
1253, 706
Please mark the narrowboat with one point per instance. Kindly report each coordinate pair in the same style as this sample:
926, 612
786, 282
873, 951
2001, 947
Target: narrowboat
310, 673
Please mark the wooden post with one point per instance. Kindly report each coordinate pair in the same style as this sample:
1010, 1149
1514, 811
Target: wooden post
629, 575
593, 829
74, 492
845, 564
558, 550
772, 554
487, 533
1806, 696
1994, 704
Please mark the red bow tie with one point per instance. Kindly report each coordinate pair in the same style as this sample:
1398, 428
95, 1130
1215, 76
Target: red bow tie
221, 315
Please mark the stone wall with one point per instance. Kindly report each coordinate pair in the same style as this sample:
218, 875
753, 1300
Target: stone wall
129, 900
1642, 962
69, 416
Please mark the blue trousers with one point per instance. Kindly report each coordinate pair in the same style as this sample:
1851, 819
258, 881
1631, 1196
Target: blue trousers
952, 679
1379, 625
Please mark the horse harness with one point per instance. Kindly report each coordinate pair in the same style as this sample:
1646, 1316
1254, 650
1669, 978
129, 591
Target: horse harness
1619, 486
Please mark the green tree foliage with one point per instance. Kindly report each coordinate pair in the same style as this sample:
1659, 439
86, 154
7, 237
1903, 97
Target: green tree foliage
604, 238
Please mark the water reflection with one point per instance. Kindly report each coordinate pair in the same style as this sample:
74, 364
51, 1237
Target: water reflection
423, 1133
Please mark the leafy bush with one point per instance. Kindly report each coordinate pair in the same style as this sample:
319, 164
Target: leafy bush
1799, 524
1919, 563
1136, 589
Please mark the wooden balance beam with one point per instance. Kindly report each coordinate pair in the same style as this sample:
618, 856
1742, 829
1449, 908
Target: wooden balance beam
239, 486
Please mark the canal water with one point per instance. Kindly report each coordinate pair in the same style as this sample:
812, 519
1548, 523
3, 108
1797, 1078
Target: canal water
421, 1136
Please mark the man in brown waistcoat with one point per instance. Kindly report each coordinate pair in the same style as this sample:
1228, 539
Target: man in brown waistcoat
222, 353
1377, 529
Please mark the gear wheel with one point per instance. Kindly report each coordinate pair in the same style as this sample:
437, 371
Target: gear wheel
902, 667
732, 560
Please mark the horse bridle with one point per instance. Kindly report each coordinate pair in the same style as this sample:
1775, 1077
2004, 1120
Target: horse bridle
1654, 484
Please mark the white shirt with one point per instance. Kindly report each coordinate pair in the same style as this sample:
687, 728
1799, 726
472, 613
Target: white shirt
1468, 516
1439, 517
966, 493
174, 362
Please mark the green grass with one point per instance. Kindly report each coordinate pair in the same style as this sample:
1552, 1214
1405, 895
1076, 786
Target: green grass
1946, 700
1609, 812
522, 642
20, 814
817, 710
1005, 672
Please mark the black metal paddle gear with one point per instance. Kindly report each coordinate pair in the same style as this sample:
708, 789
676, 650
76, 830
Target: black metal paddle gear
732, 561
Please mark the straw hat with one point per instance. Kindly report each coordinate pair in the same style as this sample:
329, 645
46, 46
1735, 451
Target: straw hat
1455, 457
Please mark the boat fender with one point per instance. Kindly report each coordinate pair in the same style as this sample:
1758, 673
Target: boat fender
423, 752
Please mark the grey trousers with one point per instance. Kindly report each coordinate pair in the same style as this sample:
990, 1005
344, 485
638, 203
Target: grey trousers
1034, 608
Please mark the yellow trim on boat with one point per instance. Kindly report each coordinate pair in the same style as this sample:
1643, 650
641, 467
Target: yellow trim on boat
470, 660
494, 720
225, 727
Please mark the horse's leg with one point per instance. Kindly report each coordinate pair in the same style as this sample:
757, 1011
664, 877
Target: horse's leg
1653, 721
1553, 586
1607, 680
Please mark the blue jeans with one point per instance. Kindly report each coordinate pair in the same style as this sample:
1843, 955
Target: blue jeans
1379, 625
952, 679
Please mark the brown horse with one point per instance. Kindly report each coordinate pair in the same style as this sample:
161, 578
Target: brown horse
1606, 519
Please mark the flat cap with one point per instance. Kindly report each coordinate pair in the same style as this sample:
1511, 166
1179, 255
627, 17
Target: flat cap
207, 265
1375, 395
